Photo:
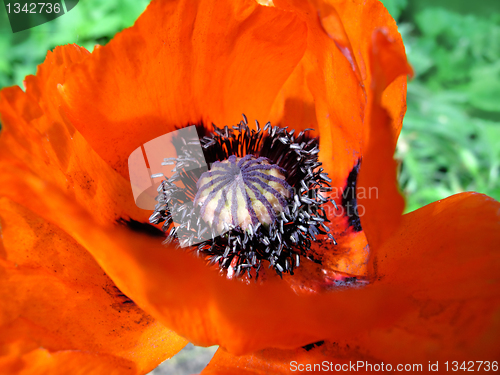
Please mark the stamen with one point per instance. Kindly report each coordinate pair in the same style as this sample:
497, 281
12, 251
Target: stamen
261, 200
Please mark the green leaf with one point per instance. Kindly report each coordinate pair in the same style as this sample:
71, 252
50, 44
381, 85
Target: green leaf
484, 88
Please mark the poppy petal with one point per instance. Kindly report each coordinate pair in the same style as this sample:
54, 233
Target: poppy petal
336, 94
351, 24
443, 264
313, 358
193, 289
337, 67
181, 63
356, 57
375, 48
37, 138
60, 310
176, 287
36, 134
187, 296
294, 105
446, 256
43, 361
383, 209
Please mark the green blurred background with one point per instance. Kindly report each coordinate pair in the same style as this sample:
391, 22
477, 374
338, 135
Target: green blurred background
451, 136
450, 141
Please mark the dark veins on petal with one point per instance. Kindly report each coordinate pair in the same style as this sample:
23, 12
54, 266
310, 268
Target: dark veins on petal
309, 347
349, 201
143, 228
123, 304
116, 293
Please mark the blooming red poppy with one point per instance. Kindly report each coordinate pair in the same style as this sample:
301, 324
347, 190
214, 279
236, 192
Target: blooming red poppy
83, 291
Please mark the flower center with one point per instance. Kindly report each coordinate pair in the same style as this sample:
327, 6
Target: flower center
262, 202
242, 192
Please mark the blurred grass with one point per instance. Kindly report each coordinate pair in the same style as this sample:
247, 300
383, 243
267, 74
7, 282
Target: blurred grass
450, 141
91, 22
190, 360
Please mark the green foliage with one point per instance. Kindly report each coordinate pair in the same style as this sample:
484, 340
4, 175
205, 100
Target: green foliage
89, 23
450, 140
395, 7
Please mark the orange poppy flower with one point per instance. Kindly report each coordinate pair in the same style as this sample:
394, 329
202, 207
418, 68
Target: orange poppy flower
80, 290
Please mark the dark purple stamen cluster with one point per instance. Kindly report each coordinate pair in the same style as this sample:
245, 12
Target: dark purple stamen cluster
290, 234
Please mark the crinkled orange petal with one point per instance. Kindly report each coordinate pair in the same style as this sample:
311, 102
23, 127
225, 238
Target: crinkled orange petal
178, 288
49, 281
181, 63
337, 67
368, 37
60, 313
351, 25
321, 357
294, 105
41, 361
377, 186
446, 256
332, 88
36, 133
197, 303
